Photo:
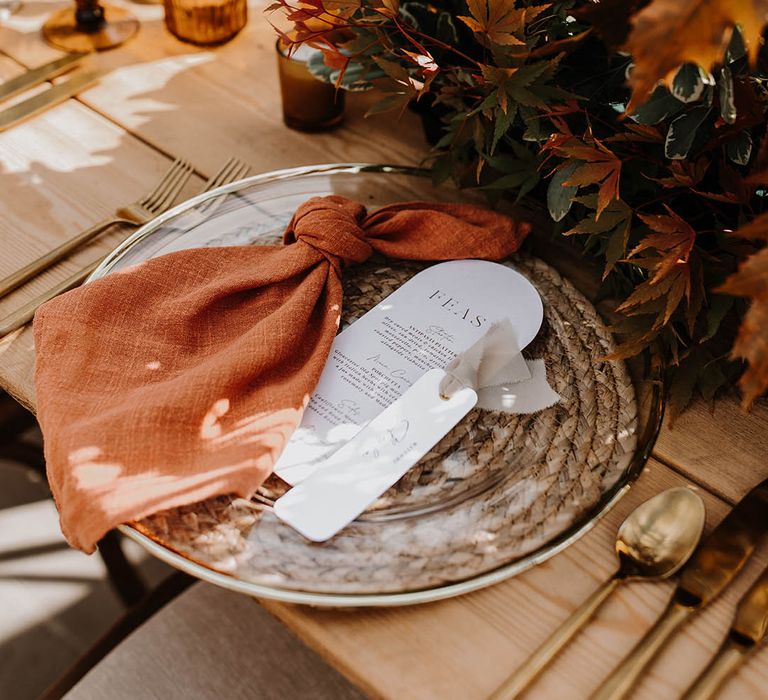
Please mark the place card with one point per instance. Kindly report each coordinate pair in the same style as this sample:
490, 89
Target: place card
362, 469
421, 326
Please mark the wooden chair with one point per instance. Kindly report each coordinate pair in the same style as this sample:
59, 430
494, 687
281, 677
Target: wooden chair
14, 422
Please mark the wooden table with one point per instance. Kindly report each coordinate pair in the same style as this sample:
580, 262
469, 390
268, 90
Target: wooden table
161, 99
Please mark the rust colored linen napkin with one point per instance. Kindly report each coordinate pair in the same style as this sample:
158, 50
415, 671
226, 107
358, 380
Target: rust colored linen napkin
183, 377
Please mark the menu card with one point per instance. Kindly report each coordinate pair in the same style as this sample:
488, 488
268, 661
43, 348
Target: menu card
421, 326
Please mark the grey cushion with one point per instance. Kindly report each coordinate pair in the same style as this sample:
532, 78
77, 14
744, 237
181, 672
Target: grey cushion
212, 643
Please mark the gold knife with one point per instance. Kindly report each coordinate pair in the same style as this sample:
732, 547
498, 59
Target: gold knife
48, 98
712, 567
747, 633
37, 75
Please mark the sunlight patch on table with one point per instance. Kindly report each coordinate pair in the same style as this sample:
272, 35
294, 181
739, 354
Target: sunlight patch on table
27, 147
129, 86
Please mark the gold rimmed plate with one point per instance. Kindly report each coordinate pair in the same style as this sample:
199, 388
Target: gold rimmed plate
497, 495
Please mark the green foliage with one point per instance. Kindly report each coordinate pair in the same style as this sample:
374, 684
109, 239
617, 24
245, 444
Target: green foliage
532, 99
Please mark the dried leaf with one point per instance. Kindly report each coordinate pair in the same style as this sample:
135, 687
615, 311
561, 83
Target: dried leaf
697, 293
394, 70
617, 245
662, 296
678, 285
500, 21
636, 338
392, 7
424, 61
673, 239
711, 380
752, 345
751, 280
671, 266
636, 133
602, 167
605, 223
726, 198
756, 230
340, 8
590, 174
719, 306
335, 60
684, 379
668, 33
394, 102
684, 173
402, 79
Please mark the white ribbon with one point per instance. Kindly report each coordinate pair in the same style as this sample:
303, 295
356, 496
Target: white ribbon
503, 379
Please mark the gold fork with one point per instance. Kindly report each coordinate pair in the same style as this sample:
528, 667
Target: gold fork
233, 169
139, 212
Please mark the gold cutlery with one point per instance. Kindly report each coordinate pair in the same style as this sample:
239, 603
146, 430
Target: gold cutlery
655, 540
713, 566
48, 98
139, 212
747, 633
35, 76
233, 169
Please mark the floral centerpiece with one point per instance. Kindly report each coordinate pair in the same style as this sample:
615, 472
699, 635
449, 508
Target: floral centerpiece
640, 122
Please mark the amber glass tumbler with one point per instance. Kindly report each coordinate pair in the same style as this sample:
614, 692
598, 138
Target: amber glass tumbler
308, 103
205, 22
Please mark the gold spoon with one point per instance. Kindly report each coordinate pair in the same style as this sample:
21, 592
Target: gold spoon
655, 540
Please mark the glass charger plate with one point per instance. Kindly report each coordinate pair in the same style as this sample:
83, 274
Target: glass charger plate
499, 494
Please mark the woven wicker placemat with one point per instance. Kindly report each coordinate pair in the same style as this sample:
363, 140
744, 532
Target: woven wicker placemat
496, 488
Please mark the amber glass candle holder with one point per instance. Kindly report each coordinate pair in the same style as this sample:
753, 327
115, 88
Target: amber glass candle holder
89, 26
205, 22
308, 103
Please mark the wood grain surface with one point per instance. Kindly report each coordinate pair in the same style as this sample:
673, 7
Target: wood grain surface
465, 647
160, 99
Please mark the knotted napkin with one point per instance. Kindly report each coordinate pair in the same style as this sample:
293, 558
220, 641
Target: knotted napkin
183, 377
